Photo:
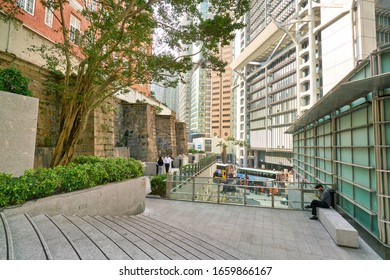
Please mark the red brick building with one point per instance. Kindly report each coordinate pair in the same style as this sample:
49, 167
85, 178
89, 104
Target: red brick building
41, 20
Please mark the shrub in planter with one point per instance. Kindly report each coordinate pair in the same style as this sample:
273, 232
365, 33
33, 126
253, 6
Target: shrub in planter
12, 80
75, 176
158, 185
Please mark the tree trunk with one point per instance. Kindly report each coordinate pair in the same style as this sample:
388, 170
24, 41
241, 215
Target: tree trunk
73, 119
223, 155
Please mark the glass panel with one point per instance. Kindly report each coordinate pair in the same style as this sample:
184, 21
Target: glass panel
363, 197
346, 155
328, 141
327, 127
363, 217
346, 188
387, 131
359, 117
373, 179
374, 203
345, 138
345, 122
372, 157
360, 156
359, 137
375, 229
371, 136
361, 176
369, 115
387, 105
328, 153
346, 206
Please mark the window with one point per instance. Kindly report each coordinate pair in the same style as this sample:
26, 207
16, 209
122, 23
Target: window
74, 30
49, 13
27, 5
92, 5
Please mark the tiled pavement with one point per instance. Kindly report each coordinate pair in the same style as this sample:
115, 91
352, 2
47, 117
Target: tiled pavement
262, 233
175, 230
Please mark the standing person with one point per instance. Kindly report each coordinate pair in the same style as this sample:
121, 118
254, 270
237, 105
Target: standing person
267, 185
167, 161
160, 164
324, 202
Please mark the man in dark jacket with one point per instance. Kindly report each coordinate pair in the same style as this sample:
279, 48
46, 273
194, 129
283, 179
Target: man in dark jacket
324, 202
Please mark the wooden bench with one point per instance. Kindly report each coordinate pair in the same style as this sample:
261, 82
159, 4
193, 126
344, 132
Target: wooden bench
339, 229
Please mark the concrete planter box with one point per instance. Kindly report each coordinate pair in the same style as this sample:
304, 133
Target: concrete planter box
115, 199
18, 132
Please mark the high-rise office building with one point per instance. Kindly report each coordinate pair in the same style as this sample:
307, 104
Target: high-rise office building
221, 98
169, 96
265, 85
291, 54
205, 97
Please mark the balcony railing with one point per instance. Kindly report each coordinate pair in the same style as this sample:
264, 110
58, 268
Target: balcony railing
283, 195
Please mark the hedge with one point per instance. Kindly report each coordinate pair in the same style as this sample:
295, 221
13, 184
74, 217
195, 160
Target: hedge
158, 185
83, 172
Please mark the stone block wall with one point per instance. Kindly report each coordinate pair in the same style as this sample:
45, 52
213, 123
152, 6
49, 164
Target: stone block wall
181, 138
139, 125
166, 135
103, 129
49, 102
133, 128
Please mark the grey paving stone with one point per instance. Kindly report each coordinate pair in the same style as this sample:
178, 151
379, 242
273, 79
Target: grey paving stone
105, 243
157, 244
148, 251
3, 238
132, 250
88, 249
27, 245
60, 246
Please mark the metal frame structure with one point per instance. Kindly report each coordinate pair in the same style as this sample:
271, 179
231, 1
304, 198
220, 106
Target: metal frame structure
348, 144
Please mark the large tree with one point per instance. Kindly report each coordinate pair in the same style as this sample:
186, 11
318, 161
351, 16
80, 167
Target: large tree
114, 52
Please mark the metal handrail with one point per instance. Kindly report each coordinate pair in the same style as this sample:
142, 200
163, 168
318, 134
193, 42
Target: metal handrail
282, 194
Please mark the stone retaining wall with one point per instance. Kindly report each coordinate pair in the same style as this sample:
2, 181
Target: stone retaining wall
115, 199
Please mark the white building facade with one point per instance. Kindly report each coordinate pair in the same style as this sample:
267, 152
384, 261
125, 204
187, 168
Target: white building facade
291, 54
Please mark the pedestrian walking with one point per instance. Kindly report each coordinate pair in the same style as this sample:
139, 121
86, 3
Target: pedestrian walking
160, 165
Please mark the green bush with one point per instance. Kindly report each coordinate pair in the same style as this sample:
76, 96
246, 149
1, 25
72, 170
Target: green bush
83, 172
87, 159
12, 80
193, 151
158, 185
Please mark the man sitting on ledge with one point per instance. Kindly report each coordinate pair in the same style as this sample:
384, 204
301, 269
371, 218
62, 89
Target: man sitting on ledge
324, 202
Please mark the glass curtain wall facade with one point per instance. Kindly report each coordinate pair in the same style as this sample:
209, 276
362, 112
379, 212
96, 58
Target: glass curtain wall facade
200, 97
296, 52
195, 93
269, 82
346, 142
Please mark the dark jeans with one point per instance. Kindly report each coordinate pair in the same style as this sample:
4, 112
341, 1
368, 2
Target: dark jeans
167, 165
317, 203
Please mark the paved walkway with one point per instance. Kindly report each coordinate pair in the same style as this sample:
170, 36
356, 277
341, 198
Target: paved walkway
262, 233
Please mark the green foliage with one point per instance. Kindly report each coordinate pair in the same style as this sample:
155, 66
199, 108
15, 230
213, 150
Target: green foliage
83, 172
158, 185
115, 51
193, 151
12, 80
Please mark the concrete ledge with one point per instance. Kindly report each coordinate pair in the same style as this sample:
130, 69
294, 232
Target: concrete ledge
114, 199
339, 229
18, 131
